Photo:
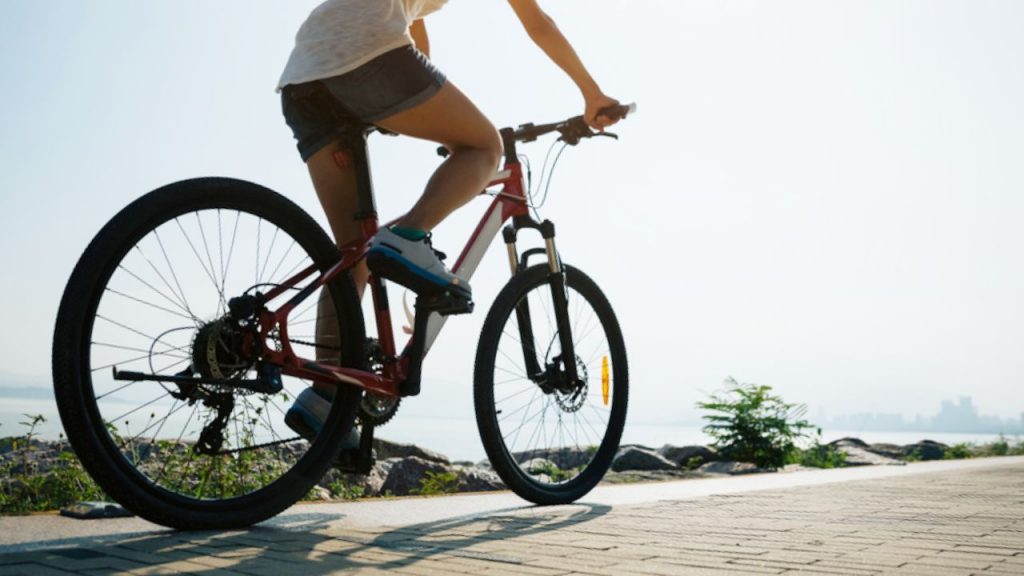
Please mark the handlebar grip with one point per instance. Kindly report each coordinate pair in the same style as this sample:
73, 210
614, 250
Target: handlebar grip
617, 112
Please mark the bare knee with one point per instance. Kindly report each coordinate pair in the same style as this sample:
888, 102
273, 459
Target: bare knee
488, 149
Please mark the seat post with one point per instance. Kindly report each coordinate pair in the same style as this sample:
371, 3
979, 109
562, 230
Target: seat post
364, 180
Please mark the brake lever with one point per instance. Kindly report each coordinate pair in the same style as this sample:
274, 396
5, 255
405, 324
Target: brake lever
611, 135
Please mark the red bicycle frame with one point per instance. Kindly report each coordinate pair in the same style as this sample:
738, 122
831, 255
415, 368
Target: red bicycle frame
508, 203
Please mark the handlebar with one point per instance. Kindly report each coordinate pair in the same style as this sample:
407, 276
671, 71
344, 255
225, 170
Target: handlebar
574, 129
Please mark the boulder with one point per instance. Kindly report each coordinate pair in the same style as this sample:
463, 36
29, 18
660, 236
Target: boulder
387, 449
475, 479
565, 457
857, 456
682, 455
925, 450
404, 475
370, 483
637, 458
729, 467
893, 451
538, 465
320, 493
848, 441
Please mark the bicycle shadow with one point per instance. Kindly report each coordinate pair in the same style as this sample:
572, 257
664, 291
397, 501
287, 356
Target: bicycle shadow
315, 544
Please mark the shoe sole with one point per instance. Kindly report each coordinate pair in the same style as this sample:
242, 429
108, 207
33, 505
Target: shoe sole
393, 266
298, 424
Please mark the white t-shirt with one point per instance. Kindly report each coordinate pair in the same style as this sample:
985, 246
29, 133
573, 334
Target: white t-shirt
341, 35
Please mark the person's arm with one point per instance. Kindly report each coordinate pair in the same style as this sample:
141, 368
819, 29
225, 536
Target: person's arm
546, 35
418, 31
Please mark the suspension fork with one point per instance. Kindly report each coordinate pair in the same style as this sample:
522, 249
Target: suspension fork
559, 298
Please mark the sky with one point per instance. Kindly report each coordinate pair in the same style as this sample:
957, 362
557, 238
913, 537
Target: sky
817, 195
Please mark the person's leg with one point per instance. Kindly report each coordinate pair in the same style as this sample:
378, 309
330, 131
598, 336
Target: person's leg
451, 119
336, 188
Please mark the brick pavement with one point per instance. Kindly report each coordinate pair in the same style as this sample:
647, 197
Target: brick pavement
958, 522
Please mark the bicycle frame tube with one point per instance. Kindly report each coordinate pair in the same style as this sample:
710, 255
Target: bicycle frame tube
508, 203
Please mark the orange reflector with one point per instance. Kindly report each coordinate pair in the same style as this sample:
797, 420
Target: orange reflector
604, 380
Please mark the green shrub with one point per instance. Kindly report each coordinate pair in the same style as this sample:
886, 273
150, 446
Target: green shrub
434, 483
958, 452
818, 455
24, 488
749, 424
346, 491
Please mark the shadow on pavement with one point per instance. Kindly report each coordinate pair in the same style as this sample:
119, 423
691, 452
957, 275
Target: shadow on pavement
310, 544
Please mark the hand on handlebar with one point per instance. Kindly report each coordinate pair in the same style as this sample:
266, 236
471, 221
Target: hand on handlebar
593, 115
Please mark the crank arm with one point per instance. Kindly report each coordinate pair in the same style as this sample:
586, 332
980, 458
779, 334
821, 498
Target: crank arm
269, 384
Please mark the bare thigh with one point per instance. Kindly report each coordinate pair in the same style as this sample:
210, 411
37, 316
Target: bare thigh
449, 118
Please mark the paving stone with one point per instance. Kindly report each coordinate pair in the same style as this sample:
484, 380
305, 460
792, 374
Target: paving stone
960, 522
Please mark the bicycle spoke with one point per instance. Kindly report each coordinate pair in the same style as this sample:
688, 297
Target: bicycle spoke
182, 304
270, 250
174, 275
154, 289
209, 260
209, 273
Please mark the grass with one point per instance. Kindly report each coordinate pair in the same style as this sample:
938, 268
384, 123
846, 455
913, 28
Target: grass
435, 483
24, 489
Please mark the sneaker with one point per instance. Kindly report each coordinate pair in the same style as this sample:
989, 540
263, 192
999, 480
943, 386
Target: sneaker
414, 264
308, 412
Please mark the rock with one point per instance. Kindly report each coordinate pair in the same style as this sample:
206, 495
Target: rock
387, 449
848, 441
729, 467
485, 464
538, 465
405, 474
475, 479
893, 451
320, 493
566, 457
636, 458
925, 450
371, 483
631, 476
682, 455
859, 453
857, 456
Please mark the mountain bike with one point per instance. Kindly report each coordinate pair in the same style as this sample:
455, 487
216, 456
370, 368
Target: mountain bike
201, 310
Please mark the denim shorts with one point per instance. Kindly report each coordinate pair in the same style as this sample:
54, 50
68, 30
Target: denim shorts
341, 107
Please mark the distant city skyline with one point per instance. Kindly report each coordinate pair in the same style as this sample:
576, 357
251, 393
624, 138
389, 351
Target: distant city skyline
953, 417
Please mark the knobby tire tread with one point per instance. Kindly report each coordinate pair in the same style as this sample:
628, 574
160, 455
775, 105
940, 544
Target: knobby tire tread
483, 390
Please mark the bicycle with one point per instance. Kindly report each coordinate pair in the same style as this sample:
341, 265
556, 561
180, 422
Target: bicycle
136, 335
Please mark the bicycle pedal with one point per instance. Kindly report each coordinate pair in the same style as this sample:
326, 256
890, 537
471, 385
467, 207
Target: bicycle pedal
445, 304
352, 461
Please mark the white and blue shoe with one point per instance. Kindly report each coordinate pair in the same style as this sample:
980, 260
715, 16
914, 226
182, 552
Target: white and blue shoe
307, 414
414, 264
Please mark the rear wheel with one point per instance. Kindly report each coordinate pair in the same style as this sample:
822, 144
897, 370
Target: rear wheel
150, 295
549, 439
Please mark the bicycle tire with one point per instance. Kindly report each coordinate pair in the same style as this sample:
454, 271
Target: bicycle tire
547, 485
102, 451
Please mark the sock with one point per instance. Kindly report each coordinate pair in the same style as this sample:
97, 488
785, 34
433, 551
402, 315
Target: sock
411, 234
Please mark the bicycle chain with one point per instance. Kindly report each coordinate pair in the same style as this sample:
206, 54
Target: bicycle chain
314, 344
256, 447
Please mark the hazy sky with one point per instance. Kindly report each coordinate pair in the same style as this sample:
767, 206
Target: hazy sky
822, 196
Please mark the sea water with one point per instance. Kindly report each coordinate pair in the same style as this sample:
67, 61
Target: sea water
458, 438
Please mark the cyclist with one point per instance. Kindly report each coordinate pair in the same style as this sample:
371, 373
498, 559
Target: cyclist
359, 62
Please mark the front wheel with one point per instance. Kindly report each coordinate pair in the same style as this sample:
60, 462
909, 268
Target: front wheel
550, 440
